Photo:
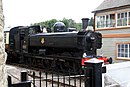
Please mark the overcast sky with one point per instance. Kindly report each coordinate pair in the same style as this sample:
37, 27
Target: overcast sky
25, 12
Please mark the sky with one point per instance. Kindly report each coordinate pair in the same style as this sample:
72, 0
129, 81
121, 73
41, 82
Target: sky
26, 12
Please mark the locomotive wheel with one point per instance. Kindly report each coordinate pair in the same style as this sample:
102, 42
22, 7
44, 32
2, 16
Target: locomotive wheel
52, 65
34, 62
39, 63
29, 62
21, 59
68, 67
77, 67
60, 66
47, 64
44, 64
74, 67
25, 60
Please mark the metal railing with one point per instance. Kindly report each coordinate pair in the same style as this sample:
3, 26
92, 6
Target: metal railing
92, 77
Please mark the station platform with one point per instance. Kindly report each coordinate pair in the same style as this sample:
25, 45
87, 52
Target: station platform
14, 72
118, 74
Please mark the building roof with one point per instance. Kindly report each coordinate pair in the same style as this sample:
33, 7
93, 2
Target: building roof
108, 4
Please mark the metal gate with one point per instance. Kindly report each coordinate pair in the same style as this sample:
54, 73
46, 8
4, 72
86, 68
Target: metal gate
51, 79
92, 77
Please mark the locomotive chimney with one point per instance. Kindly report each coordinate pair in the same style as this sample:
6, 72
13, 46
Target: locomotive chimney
85, 23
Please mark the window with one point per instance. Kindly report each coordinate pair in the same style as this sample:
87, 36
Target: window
129, 50
4, 37
112, 19
105, 21
123, 51
31, 31
122, 19
128, 18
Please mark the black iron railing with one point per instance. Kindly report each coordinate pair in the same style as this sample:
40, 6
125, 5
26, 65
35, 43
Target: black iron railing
92, 77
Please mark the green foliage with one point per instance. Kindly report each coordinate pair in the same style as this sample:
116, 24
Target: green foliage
47, 24
70, 23
78, 26
91, 23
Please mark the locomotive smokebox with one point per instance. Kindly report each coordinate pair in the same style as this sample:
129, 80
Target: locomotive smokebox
85, 23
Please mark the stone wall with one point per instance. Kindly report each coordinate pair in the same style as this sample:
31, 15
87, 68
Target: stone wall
3, 74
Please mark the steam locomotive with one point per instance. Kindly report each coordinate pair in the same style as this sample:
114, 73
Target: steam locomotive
60, 50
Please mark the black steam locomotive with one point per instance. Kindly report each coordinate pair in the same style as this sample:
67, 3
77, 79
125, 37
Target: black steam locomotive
60, 50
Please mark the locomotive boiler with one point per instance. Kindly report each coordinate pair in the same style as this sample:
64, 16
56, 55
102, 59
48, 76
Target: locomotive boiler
59, 49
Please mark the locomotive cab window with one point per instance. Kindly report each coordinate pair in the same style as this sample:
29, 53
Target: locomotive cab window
35, 29
31, 31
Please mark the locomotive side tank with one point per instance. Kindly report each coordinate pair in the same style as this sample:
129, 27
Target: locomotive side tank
67, 42
65, 39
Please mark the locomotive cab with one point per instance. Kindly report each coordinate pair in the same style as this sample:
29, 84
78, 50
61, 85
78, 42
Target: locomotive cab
14, 38
18, 38
31, 30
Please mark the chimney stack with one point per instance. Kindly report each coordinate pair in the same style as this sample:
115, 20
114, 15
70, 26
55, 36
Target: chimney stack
85, 22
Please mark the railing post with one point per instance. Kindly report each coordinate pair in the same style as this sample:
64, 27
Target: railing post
40, 74
93, 73
9, 81
33, 79
24, 76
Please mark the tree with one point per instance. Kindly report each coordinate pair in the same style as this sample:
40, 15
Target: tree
78, 26
50, 23
91, 22
47, 24
69, 23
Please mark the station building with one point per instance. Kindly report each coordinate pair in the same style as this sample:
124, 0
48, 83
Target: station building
112, 19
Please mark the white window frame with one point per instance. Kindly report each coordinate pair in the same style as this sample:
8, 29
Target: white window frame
124, 51
102, 22
128, 18
122, 19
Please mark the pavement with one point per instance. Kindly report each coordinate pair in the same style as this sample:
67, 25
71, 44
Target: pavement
15, 73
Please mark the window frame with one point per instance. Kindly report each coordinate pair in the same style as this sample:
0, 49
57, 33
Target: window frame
103, 23
123, 18
122, 52
128, 18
